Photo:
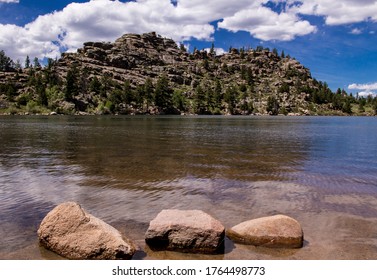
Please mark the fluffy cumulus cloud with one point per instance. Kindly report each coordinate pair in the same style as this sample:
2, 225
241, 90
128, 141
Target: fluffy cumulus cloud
338, 12
372, 86
244, 15
366, 89
211, 10
265, 24
105, 20
98, 20
367, 93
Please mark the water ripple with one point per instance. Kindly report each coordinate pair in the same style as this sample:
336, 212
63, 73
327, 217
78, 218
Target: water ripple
128, 169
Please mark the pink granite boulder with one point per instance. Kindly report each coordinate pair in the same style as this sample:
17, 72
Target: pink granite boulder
72, 233
187, 231
274, 231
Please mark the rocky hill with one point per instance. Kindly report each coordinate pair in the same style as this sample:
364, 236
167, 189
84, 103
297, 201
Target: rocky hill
149, 74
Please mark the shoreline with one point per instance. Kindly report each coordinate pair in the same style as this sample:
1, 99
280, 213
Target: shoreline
52, 113
345, 245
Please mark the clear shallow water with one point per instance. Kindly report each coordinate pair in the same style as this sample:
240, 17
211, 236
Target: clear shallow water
320, 170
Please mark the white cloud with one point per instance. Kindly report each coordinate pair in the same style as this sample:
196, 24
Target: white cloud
339, 12
245, 15
356, 31
106, 20
366, 87
367, 93
218, 51
18, 42
265, 24
97, 20
211, 10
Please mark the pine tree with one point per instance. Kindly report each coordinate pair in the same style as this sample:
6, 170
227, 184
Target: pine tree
182, 47
164, 94
5, 62
40, 90
105, 85
199, 99
212, 51
347, 107
128, 92
139, 96
36, 63
179, 101
72, 84
148, 91
27, 62
230, 97
95, 85
217, 95
51, 76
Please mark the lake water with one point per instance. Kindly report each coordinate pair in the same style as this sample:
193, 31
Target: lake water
321, 171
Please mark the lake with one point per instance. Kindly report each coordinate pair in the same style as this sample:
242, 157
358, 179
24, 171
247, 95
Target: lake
322, 171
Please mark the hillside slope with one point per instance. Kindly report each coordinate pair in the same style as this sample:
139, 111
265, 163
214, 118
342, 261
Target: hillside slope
149, 74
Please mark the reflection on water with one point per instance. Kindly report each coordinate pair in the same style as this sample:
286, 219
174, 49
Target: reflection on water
322, 171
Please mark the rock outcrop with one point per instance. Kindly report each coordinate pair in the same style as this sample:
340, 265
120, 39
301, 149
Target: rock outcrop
131, 57
72, 233
274, 231
125, 77
187, 231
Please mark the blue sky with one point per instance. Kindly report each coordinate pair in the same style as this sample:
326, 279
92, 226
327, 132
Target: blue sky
336, 40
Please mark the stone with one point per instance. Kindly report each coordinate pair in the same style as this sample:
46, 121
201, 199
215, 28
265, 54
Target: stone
74, 234
276, 231
187, 231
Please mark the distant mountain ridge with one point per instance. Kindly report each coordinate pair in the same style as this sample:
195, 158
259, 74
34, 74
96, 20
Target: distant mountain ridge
149, 74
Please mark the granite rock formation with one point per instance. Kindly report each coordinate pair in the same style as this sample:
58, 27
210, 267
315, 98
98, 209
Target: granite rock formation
124, 77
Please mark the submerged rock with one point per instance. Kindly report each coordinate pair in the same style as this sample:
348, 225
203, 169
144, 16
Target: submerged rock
186, 231
274, 231
72, 233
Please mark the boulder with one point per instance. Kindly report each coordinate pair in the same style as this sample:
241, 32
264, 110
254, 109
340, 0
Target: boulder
274, 231
187, 231
72, 233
